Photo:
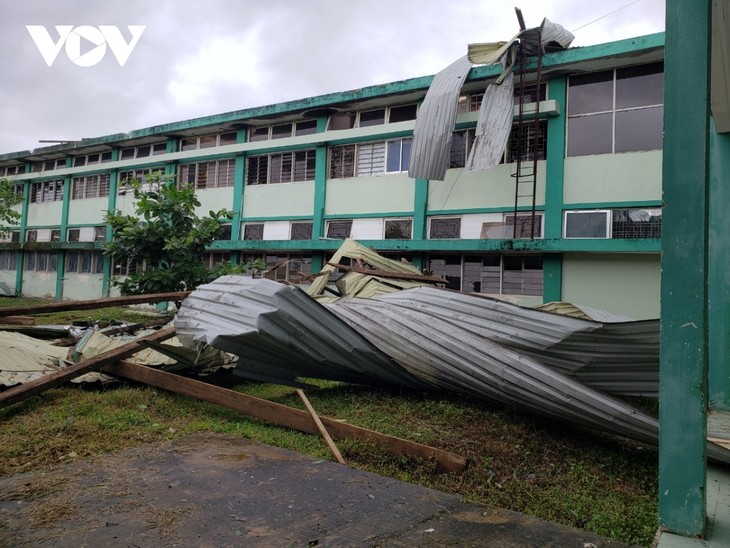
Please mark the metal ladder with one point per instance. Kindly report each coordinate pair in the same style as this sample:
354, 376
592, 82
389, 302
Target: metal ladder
528, 133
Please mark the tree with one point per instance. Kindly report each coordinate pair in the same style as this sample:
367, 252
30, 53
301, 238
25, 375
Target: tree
8, 199
167, 239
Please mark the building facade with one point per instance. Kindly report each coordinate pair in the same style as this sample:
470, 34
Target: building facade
301, 176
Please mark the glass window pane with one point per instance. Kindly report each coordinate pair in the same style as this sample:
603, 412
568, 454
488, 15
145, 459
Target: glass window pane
640, 129
372, 117
402, 113
306, 127
208, 141
586, 224
253, 231
301, 231
445, 228
394, 150
640, 86
398, 229
259, 134
281, 131
339, 229
590, 93
590, 135
342, 121
86, 262
457, 155
53, 261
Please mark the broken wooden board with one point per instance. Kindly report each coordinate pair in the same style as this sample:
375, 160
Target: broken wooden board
36, 386
282, 415
93, 304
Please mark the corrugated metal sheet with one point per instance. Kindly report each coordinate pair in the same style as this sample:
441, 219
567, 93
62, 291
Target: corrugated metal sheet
619, 357
434, 340
435, 122
493, 126
582, 311
433, 349
280, 334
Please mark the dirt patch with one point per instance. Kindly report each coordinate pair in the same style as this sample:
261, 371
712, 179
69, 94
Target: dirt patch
220, 490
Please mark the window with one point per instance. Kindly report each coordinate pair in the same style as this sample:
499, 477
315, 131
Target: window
84, 262
301, 231
99, 233
15, 236
527, 226
12, 170
615, 111
398, 229
47, 191
399, 155
225, 232
287, 167
342, 161
125, 177
492, 273
288, 268
533, 141
282, 131
50, 165
31, 236
445, 227
73, 234
91, 186
372, 117
90, 159
8, 260
587, 224
633, 224
216, 258
203, 175
142, 151
208, 141
461, 142
253, 231
55, 235
368, 159
339, 229
123, 267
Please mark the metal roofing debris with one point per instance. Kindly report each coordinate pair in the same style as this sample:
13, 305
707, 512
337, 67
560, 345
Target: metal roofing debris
26, 358
366, 285
621, 357
493, 126
434, 340
280, 334
435, 122
437, 116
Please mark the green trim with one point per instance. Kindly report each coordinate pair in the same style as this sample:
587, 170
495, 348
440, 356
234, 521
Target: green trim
718, 290
552, 284
377, 215
23, 225
555, 245
320, 192
239, 184
613, 205
60, 270
555, 164
683, 349
111, 206
479, 210
282, 218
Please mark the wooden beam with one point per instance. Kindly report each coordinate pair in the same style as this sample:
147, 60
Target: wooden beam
392, 275
320, 426
60, 306
115, 330
281, 414
18, 320
36, 386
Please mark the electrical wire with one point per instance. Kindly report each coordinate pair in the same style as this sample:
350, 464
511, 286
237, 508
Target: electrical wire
606, 15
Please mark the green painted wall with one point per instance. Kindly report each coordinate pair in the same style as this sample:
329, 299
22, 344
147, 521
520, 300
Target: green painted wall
613, 177
718, 288
369, 194
279, 200
626, 284
491, 188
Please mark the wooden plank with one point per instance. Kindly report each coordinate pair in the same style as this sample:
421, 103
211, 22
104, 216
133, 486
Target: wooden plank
281, 414
36, 386
320, 426
115, 330
19, 320
61, 306
392, 275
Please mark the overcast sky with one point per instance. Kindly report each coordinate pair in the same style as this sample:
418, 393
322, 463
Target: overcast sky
201, 57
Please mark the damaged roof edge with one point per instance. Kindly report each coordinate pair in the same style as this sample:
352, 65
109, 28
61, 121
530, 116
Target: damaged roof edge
550, 61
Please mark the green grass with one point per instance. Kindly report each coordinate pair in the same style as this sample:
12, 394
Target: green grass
576, 477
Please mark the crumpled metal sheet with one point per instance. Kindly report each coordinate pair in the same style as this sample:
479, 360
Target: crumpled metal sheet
435, 122
493, 126
281, 334
619, 357
436, 349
